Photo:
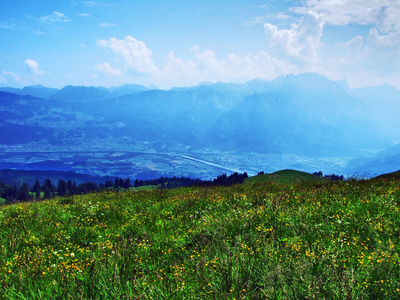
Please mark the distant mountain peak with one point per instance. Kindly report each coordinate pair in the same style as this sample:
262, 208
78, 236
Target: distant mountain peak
310, 81
36, 86
38, 91
204, 83
80, 94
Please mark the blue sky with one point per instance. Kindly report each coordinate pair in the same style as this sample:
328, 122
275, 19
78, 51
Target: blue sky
181, 43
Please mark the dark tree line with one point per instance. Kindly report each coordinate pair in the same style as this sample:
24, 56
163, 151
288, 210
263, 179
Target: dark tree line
333, 177
12, 193
175, 182
118, 183
225, 180
168, 182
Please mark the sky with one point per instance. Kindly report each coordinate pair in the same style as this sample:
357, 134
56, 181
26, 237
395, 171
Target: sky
168, 43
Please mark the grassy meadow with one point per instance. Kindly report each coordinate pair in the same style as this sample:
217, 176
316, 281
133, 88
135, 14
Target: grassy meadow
269, 240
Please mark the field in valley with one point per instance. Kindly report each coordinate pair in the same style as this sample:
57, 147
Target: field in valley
149, 163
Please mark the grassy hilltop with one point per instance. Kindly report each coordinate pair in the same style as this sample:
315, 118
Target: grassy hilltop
333, 240
283, 176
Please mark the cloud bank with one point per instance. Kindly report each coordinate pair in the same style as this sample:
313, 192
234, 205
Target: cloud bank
204, 65
302, 40
368, 51
382, 14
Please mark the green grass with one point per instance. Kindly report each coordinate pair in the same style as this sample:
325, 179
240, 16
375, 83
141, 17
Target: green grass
307, 240
284, 176
34, 194
144, 188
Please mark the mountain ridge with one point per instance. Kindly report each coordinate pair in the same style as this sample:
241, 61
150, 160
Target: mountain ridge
304, 114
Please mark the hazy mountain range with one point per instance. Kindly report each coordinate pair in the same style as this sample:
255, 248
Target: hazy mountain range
307, 115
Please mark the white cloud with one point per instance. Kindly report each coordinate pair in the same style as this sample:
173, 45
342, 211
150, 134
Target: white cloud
107, 25
262, 19
282, 16
233, 68
384, 14
379, 53
302, 40
34, 31
108, 70
176, 66
373, 60
256, 21
33, 67
382, 51
93, 3
354, 45
16, 77
83, 15
207, 62
347, 53
366, 57
247, 67
9, 26
55, 17
384, 42
135, 53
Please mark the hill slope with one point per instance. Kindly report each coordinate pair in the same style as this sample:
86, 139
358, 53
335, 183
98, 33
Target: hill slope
271, 240
390, 176
283, 176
